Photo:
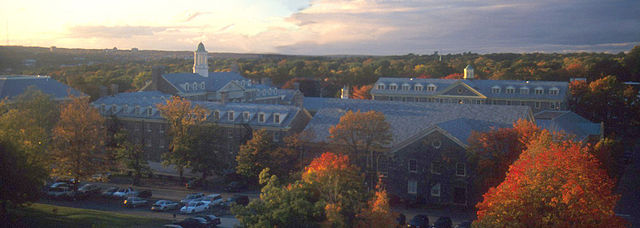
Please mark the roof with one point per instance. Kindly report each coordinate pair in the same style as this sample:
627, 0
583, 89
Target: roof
469, 67
213, 83
12, 86
567, 122
125, 106
201, 48
410, 119
482, 86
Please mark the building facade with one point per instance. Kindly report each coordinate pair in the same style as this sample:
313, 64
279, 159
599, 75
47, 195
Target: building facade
538, 95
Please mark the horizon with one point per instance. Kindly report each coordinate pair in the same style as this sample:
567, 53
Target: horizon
327, 27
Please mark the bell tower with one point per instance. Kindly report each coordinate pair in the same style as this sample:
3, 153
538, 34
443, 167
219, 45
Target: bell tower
468, 72
200, 65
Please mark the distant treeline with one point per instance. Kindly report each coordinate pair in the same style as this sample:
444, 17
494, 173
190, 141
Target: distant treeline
88, 71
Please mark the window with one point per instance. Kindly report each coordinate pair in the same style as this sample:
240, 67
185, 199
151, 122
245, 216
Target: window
393, 87
276, 118
246, 116
137, 110
461, 169
508, 102
539, 91
460, 91
113, 108
405, 87
537, 104
186, 87
523, 103
412, 187
460, 101
556, 106
276, 136
435, 190
230, 115
383, 164
431, 87
418, 87
524, 90
380, 86
216, 115
436, 167
149, 111
261, 117
436, 143
554, 91
102, 108
413, 166
510, 90
495, 89
195, 86
125, 108
201, 85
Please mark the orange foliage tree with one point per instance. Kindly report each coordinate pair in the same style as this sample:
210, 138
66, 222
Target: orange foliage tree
494, 151
552, 184
362, 92
378, 212
340, 186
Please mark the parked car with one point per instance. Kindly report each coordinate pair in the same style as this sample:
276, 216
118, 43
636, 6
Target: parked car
465, 224
193, 223
443, 222
192, 197
60, 184
194, 207
108, 193
134, 202
88, 190
213, 200
420, 221
196, 183
60, 193
171, 226
238, 199
145, 194
164, 205
212, 220
234, 186
401, 219
124, 193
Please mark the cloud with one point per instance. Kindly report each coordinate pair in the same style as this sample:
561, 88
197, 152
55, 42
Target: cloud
99, 31
191, 15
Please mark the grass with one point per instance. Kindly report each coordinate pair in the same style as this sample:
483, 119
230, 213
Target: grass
44, 215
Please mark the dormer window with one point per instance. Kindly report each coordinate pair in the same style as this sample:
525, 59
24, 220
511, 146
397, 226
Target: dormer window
380, 86
246, 116
201, 85
149, 111
113, 108
216, 115
418, 87
554, 91
495, 89
276, 118
524, 90
137, 110
103, 108
431, 88
230, 115
393, 87
405, 87
539, 91
186, 87
195, 86
510, 90
125, 108
261, 117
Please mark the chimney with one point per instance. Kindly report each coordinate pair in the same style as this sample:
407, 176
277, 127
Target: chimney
345, 92
114, 89
156, 75
468, 72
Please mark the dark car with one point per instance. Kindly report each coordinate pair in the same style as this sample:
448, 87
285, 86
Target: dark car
212, 220
401, 219
443, 222
145, 194
194, 222
420, 221
238, 199
108, 193
234, 186
465, 224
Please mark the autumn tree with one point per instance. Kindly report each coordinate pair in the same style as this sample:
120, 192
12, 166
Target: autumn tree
78, 140
378, 211
494, 151
182, 116
362, 92
609, 152
207, 156
131, 156
552, 184
361, 134
261, 152
340, 186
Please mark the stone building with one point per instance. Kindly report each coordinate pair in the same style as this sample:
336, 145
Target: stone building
12, 86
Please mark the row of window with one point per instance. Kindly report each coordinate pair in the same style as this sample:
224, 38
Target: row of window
524, 90
194, 86
412, 188
246, 116
125, 108
407, 87
436, 167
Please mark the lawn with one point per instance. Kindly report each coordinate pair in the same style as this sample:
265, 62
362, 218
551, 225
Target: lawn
44, 215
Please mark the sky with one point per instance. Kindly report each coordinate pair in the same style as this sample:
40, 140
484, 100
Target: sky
326, 27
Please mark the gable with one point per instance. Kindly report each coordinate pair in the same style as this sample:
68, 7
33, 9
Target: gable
461, 89
434, 142
231, 87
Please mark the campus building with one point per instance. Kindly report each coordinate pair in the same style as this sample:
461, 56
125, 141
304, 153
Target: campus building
12, 86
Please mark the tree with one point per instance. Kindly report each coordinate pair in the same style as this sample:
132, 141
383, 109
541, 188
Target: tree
207, 157
182, 117
131, 156
552, 184
78, 140
494, 151
20, 177
362, 92
339, 185
609, 152
261, 152
362, 134
378, 211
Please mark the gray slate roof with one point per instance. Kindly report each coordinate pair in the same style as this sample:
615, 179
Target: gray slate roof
410, 119
567, 122
482, 86
12, 86
213, 83
125, 105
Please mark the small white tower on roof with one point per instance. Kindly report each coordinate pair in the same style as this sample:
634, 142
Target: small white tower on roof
468, 72
200, 65
345, 92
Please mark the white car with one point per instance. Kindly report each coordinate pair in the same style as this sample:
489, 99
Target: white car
60, 192
213, 200
194, 207
134, 202
192, 197
124, 193
163, 205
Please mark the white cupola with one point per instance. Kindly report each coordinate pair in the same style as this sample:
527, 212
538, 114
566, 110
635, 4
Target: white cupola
200, 65
468, 72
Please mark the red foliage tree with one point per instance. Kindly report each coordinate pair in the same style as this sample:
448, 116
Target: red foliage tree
362, 92
453, 76
552, 184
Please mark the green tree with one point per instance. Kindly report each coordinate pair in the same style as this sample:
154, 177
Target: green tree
78, 141
207, 156
253, 156
131, 156
182, 117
